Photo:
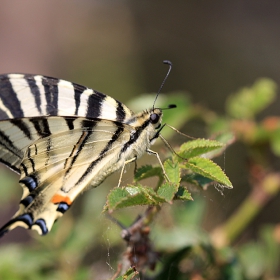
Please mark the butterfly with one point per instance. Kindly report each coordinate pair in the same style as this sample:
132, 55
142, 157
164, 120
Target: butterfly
62, 139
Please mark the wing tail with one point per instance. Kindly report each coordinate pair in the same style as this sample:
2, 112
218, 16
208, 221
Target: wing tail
24, 220
41, 221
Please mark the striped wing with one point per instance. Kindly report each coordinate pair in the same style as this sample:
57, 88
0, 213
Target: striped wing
60, 137
55, 169
35, 95
23, 97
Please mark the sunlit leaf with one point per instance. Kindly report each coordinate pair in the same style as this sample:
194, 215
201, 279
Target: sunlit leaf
167, 191
198, 147
172, 171
209, 169
132, 196
128, 275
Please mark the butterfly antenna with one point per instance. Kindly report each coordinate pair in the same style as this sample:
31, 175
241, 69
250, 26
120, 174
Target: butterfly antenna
163, 82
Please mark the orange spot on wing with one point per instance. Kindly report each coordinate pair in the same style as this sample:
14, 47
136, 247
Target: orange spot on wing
57, 198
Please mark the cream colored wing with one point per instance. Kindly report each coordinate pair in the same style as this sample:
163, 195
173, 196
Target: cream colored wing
25, 97
56, 168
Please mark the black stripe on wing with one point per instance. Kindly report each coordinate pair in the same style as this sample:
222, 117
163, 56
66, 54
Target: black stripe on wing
82, 141
9, 97
94, 104
120, 112
3, 115
42, 126
34, 90
8, 145
114, 138
51, 94
22, 126
135, 135
77, 97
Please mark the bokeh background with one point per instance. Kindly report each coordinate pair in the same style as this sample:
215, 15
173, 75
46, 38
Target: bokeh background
117, 47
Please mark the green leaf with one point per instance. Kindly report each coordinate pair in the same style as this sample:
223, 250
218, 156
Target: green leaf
183, 194
132, 196
129, 275
250, 101
167, 191
198, 147
147, 171
197, 180
209, 169
172, 171
140, 195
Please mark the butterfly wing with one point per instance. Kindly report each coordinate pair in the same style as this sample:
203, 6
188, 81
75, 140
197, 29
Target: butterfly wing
55, 169
24, 97
48, 129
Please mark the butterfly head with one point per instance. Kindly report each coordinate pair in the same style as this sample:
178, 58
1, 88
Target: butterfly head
155, 117
149, 121
147, 118
155, 120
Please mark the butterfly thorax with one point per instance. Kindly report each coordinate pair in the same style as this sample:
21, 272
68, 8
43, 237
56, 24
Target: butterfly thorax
145, 127
143, 130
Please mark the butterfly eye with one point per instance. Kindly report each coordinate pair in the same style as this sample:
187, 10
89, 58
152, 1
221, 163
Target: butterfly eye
154, 118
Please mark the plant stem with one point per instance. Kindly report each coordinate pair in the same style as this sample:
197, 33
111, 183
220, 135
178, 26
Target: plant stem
251, 206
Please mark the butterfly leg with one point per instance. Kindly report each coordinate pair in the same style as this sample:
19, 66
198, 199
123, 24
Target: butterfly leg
150, 152
135, 167
122, 171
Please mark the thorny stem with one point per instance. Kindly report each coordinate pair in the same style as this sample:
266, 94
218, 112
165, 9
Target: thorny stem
139, 252
262, 192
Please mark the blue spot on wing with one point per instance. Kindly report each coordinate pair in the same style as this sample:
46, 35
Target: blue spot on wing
27, 200
42, 224
62, 207
26, 218
29, 182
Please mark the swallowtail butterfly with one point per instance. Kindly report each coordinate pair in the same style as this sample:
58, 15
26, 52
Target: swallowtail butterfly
63, 138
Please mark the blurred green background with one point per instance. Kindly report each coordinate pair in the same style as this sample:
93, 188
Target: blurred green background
117, 47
